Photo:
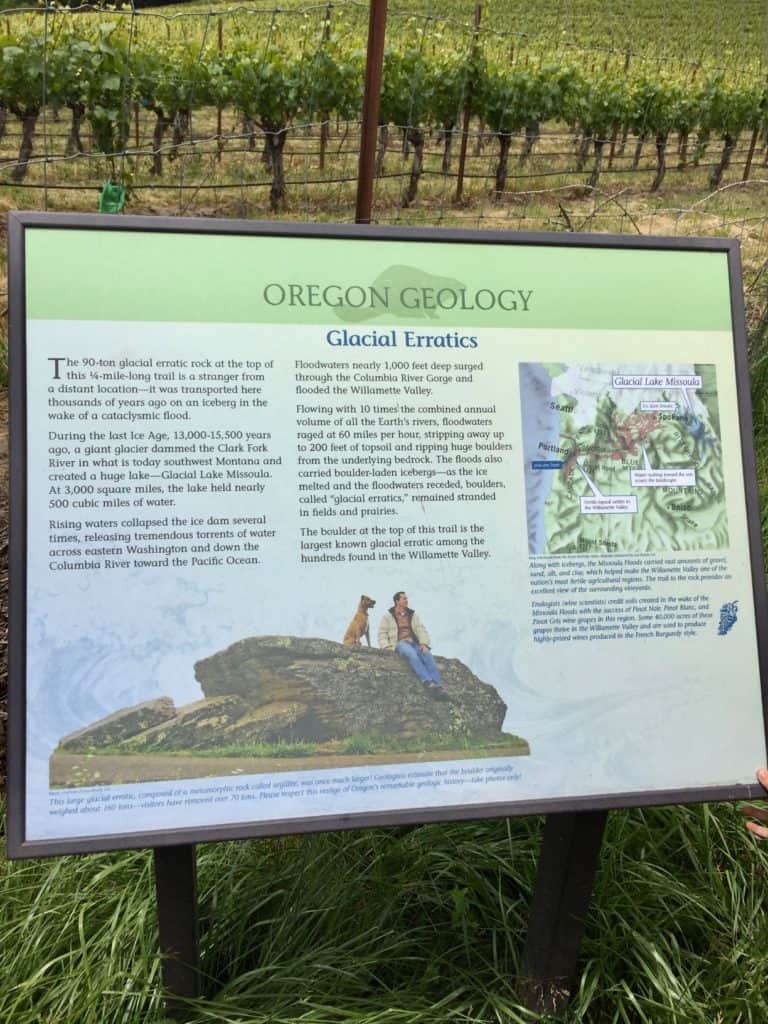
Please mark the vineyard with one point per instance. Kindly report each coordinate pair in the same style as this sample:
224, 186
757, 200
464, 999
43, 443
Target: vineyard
271, 102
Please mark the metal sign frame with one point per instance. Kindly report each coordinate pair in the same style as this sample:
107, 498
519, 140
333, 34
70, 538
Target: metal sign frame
18, 845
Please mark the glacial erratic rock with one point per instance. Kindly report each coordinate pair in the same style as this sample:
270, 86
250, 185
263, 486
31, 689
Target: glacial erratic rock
273, 689
284, 720
121, 725
196, 726
350, 690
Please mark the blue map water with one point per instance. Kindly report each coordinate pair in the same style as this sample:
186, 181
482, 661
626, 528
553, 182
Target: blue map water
540, 424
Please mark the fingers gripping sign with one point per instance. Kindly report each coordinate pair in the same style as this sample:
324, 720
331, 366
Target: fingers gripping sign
760, 813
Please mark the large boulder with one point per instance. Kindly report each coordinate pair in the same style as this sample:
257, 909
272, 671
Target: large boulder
272, 689
121, 725
350, 690
283, 720
196, 726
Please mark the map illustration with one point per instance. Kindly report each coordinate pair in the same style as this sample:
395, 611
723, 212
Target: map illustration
622, 458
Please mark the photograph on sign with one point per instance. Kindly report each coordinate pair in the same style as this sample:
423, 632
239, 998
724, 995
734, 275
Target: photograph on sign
323, 525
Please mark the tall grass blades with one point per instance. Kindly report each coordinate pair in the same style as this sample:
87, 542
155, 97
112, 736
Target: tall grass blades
79, 942
399, 926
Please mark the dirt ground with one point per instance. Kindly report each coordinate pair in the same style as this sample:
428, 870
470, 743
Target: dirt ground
113, 769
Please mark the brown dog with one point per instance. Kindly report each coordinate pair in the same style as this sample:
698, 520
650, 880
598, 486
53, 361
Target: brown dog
359, 626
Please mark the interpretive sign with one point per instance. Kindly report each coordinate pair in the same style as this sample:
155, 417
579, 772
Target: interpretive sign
318, 527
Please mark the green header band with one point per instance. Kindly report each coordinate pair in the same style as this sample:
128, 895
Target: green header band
74, 274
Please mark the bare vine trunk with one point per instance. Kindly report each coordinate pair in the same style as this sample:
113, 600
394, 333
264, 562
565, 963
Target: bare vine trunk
249, 131
381, 151
682, 149
344, 136
276, 136
716, 175
74, 142
584, 147
751, 153
614, 140
638, 150
505, 141
415, 138
181, 124
599, 146
162, 124
266, 154
28, 125
532, 133
701, 148
661, 160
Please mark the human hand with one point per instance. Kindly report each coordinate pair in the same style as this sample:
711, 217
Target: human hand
761, 813
423, 647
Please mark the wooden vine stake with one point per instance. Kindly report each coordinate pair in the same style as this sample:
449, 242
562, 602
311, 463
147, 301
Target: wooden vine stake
374, 65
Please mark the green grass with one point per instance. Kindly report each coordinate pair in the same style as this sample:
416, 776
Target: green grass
370, 744
419, 926
283, 748
361, 743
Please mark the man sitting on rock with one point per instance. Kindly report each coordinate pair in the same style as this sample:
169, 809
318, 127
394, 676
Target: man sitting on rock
401, 630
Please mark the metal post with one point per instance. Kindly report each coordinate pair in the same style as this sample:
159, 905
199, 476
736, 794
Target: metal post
467, 118
176, 888
570, 852
377, 24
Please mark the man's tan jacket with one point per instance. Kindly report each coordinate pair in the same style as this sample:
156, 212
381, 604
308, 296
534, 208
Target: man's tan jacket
388, 630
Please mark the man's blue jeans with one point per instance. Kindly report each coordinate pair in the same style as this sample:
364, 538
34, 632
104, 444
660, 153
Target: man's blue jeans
422, 662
